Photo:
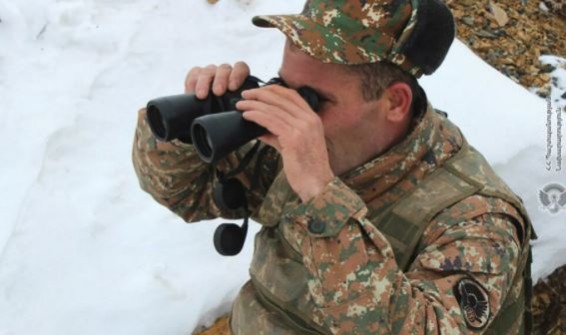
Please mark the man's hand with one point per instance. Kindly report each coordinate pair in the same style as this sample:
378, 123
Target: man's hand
296, 131
221, 78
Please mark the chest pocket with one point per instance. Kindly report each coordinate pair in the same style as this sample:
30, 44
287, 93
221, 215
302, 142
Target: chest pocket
277, 270
277, 264
277, 212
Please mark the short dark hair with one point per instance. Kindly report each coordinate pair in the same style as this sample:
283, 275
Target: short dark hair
376, 77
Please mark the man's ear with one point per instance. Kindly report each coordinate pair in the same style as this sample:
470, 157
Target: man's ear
399, 98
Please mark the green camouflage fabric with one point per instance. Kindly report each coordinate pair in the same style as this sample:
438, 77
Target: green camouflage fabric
350, 32
324, 267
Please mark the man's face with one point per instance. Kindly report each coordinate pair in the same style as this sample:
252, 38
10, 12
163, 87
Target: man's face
351, 124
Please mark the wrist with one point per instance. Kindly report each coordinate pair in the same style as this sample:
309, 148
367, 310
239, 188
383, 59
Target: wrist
315, 186
326, 214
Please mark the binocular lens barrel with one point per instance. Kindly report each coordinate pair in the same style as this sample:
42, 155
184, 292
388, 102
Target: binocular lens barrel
156, 122
201, 137
171, 117
212, 125
216, 135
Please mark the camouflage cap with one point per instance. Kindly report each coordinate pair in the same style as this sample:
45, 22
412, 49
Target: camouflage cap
368, 31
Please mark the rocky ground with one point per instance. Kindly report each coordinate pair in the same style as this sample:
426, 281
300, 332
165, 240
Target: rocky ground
549, 304
511, 35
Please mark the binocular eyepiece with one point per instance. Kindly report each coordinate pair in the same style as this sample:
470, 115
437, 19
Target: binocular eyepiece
212, 125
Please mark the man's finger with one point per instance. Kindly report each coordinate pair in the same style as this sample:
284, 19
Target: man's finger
292, 95
270, 110
274, 125
221, 79
204, 81
191, 80
239, 74
268, 96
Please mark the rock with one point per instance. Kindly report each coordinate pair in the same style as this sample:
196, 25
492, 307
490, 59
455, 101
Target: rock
547, 68
485, 33
499, 14
545, 77
468, 20
543, 7
557, 7
542, 93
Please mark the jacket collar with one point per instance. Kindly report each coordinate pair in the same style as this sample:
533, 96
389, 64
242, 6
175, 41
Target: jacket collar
430, 142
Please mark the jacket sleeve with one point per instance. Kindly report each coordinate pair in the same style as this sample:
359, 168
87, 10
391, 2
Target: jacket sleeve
359, 289
174, 175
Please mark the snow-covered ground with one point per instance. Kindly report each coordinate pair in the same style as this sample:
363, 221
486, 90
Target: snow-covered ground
82, 249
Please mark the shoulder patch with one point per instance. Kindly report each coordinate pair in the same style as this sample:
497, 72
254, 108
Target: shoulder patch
474, 302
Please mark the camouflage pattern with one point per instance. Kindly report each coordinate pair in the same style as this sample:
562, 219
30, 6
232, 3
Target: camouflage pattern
325, 267
549, 304
350, 32
176, 177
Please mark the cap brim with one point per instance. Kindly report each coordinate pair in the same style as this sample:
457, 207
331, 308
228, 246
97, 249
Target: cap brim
322, 43
263, 21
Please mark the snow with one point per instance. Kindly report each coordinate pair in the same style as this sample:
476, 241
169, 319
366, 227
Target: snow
558, 78
82, 248
542, 6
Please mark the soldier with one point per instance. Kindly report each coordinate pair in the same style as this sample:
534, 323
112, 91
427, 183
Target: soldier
377, 215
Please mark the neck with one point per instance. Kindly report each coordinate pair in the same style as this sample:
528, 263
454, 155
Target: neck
344, 158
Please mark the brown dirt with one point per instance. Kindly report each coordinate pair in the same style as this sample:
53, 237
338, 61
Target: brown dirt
220, 327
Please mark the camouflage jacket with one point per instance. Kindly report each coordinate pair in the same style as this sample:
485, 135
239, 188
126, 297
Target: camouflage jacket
323, 267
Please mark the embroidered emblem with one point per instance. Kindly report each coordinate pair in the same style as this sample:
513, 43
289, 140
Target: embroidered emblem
474, 303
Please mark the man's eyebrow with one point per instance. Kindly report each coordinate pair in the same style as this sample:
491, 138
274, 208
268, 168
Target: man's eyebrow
322, 93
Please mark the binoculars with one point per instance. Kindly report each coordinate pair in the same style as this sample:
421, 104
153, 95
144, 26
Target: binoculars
212, 125
215, 128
